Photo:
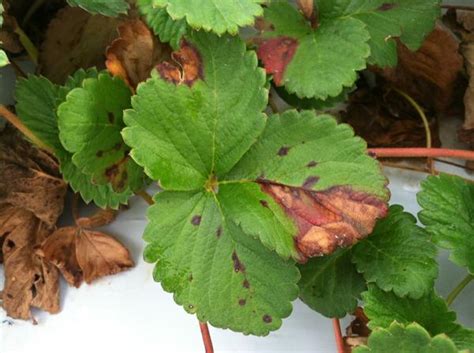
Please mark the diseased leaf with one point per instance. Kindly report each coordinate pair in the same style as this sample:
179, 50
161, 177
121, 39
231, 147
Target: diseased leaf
211, 15
331, 284
99, 219
111, 8
228, 279
85, 255
90, 122
313, 63
75, 39
29, 281
135, 53
226, 170
447, 204
166, 28
37, 102
398, 256
411, 338
430, 311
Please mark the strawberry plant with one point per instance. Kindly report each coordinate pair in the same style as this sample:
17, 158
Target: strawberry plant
264, 197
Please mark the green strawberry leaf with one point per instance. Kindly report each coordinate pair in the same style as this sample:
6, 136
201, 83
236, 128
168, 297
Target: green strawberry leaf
409, 20
90, 122
313, 63
429, 311
447, 204
411, 338
229, 279
331, 285
398, 256
212, 15
319, 62
313, 103
167, 29
238, 185
37, 103
111, 8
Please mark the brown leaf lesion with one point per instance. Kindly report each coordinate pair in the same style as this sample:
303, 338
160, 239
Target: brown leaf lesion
329, 219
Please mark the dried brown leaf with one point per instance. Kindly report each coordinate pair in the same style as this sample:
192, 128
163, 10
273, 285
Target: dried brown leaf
75, 39
82, 254
357, 332
29, 281
430, 74
135, 53
99, 219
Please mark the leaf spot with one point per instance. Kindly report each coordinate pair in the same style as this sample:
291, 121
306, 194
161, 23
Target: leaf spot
267, 319
196, 220
310, 182
386, 6
283, 151
264, 203
242, 302
219, 232
246, 284
238, 266
111, 117
312, 164
276, 54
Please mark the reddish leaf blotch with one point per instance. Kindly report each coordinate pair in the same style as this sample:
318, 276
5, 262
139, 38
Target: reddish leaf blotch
276, 54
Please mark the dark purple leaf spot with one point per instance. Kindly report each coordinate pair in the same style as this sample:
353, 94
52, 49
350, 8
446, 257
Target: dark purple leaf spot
283, 151
111, 117
242, 302
219, 232
312, 164
246, 284
238, 266
267, 318
264, 203
386, 6
310, 181
196, 220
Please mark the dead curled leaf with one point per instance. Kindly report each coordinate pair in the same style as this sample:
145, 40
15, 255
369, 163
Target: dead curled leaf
99, 219
75, 39
135, 52
330, 219
430, 74
85, 255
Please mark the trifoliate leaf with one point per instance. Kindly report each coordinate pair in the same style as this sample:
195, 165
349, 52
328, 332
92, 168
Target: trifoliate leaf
406, 339
211, 15
37, 102
238, 184
398, 256
228, 278
331, 284
111, 8
409, 20
313, 62
167, 29
447, 204
90, 122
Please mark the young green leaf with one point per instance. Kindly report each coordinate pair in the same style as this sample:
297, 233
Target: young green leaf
406, 339
430, 311
167, 29
111, 8
237, 183
409, 20
37, 102
313, 63
447, 204
90, 122
331, 284
211, 15
398, 256
320, 60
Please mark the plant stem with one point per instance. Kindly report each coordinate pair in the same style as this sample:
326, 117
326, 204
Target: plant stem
27, 44
455, 292
18, 70
16, 122
75, 207
145, 196
336, 325
416, 152
426, 124
206, 337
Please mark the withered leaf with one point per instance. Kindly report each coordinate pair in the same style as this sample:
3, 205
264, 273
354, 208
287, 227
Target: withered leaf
135, 53
430, 74
327, 220
85, 255
101, 218
29, 281
75, 39
30, 179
